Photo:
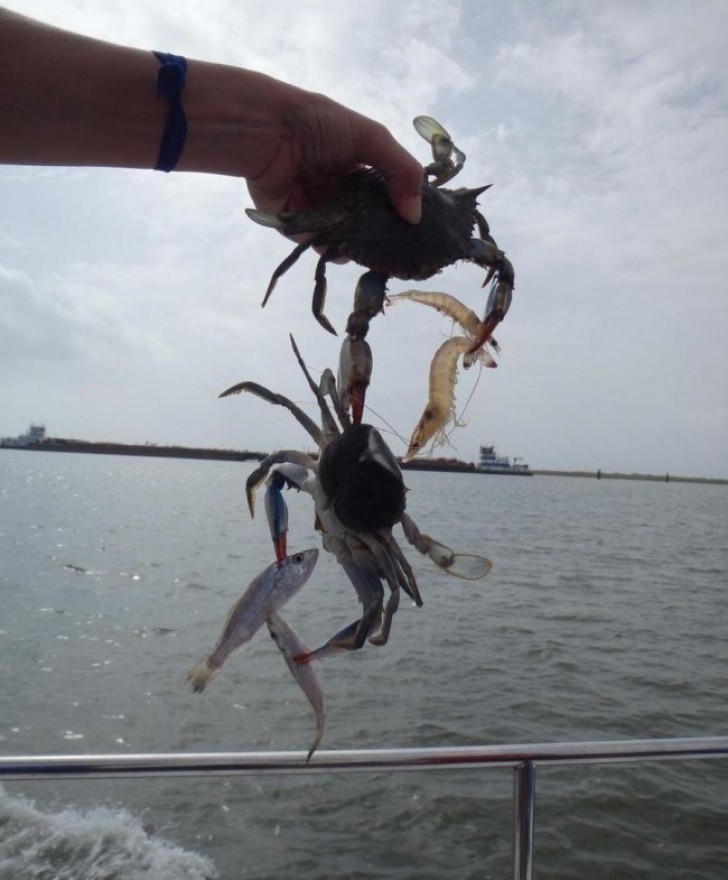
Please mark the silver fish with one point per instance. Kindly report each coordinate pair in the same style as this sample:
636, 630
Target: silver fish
267, 592
290, 645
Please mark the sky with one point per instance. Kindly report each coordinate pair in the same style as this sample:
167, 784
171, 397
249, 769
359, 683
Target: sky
130, 299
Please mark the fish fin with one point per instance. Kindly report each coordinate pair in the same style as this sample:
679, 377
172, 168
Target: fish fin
201, 675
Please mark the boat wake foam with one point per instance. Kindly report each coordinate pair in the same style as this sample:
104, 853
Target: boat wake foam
96, 844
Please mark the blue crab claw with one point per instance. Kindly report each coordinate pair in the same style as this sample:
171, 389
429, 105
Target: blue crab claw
355, 370
447, 159
499, 301
287, 476
283, 456
485, 252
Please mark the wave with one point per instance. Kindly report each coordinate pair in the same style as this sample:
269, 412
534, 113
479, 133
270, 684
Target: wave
94, 844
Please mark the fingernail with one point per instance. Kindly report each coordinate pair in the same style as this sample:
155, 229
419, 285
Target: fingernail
413, 209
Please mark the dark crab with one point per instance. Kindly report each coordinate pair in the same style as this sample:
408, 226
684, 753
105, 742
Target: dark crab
360, 224
359, 496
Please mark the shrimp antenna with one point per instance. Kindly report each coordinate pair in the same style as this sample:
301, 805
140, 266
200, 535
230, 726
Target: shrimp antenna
390, 429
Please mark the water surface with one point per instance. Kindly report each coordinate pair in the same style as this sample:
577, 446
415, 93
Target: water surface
604, 618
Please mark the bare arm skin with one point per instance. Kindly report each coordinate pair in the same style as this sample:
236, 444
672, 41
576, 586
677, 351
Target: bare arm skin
66, 99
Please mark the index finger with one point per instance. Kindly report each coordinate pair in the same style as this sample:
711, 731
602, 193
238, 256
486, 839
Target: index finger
402, 173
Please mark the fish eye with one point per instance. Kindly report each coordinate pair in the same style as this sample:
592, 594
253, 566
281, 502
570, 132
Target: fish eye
298, 558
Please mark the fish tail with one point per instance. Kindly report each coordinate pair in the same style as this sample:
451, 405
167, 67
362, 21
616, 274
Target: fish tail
201, 675
316, 740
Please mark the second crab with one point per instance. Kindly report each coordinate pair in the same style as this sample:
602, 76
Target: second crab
359, 496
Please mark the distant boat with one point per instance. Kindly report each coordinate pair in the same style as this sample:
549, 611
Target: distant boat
491, 463
33, 437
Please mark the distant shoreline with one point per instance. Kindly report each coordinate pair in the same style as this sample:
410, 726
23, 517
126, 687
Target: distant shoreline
54, 444
650, 478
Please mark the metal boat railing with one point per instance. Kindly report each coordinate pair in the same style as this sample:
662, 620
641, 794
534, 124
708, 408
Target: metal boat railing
523, 758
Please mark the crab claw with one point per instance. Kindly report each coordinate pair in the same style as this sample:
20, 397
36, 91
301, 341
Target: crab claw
287, 476
355, 370
499, 301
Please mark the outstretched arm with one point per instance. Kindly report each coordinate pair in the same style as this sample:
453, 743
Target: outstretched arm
66, 99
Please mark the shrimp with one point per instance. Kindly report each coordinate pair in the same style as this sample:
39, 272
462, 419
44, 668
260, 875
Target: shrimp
458, 312
440, 407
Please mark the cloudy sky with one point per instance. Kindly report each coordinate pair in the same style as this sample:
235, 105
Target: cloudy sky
129, 299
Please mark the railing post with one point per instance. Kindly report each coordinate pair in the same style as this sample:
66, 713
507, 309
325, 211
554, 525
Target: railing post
524, 802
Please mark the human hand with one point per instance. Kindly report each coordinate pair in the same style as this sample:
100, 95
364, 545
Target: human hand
321, 140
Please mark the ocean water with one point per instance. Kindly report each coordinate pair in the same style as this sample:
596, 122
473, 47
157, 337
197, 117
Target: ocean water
604, 617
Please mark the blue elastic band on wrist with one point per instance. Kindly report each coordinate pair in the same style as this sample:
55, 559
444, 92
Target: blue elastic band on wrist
170, 82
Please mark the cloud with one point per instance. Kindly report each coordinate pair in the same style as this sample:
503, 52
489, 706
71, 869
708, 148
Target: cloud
604, 129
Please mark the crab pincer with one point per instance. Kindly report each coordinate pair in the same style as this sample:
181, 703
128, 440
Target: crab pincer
288, 476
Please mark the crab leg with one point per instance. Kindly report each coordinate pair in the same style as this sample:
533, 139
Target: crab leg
355, 358
370, 293
382, 637
366, 581
283, 268
394, 574
392, 566
286, 223
355, 370
280, 400
327, 386
411, 587
467, 566
319, 291
327, 420
443, 168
